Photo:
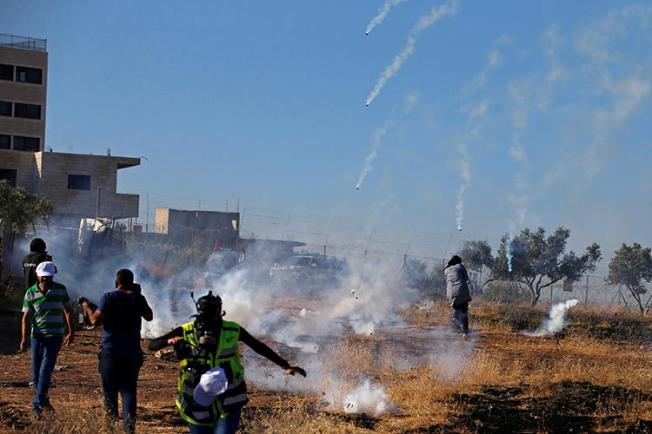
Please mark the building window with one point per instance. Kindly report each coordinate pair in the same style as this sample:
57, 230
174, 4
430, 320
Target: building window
9, 175
79, 182
5, 141
5, 108
6, 72
29, 111
29, 75
31, 144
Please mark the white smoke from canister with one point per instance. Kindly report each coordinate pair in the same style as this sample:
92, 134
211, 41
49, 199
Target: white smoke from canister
375, 144
508, 252
368, 399
465, 173
556, 320
436, 14
382, 14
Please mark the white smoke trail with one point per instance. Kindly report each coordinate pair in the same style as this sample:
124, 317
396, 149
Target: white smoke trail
375, 144
465, 173
382, 14
508, 252
411, 100
556, 320
436, 14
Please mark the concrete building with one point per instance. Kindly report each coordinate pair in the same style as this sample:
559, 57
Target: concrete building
77, 185
203, 229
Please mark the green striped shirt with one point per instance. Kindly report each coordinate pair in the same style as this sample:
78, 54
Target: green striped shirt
47, 310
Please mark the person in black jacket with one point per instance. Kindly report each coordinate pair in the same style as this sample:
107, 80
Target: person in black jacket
37, 254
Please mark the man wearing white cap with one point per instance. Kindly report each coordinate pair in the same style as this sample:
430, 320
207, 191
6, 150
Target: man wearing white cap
47, 303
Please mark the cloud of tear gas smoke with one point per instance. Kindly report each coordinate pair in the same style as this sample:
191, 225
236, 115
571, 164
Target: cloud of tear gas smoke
368, 399
411, 100
310, 322
382, 14
436, 14
465, 173
556, 320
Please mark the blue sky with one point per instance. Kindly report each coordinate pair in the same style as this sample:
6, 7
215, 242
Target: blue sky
546, 102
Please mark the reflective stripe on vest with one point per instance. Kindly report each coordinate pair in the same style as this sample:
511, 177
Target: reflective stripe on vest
227, 355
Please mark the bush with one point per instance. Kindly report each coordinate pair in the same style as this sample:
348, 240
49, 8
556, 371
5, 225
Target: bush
504, 292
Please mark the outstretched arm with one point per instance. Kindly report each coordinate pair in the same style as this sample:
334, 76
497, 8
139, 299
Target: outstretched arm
268, 353
165, 340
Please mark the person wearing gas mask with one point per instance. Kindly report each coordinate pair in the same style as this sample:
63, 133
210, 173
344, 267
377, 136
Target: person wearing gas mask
209, 358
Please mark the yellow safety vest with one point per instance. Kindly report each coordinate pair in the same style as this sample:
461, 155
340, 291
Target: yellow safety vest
227, 357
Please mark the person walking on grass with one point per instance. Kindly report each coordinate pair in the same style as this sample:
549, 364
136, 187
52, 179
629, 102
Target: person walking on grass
120, 355
46, 304
458, 293
211, 389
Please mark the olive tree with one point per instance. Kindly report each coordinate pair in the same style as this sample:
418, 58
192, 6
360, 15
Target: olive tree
20, 209
539, 261
631, 266
477, 255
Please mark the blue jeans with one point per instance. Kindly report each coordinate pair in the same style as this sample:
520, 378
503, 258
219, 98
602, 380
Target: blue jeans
119, 373
44, 357
228, 425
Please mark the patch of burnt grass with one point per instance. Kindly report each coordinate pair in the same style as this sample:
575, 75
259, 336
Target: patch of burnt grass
12, 417
566, 407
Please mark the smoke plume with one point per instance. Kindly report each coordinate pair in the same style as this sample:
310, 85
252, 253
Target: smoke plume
312, 326
368, 399
508, 252
436, 14
411, 100
375, 144
382, 14
465, 173
556, 320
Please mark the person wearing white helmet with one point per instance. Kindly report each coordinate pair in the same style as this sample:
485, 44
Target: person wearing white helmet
46, 303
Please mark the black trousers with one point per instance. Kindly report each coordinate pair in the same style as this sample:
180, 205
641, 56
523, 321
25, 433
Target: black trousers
461, 316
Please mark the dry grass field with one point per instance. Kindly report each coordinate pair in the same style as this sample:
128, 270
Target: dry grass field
596, 376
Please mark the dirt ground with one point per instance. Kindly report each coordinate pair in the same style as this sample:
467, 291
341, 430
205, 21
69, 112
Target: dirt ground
594, 377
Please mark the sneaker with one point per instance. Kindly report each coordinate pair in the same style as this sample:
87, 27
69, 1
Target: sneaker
36, 412
466, 336
49, 409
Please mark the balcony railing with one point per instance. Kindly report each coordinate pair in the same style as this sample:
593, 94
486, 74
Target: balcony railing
23, 42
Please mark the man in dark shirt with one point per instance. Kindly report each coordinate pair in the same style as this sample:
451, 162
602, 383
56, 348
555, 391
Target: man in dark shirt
37, 254
120, 354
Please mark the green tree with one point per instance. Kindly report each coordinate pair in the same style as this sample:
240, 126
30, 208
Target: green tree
539, 261
630, 266
20, 209
477, 255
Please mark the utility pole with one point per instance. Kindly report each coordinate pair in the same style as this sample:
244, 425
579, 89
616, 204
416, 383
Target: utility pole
99, 198
147, 222
586, 291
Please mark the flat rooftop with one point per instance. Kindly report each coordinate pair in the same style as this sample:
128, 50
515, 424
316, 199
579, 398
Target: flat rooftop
23, 42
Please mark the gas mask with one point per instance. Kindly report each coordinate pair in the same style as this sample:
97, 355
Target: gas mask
208, 320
